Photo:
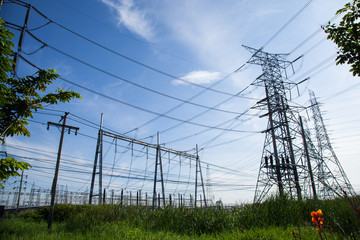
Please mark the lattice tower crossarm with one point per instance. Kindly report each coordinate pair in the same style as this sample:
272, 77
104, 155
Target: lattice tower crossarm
331, 175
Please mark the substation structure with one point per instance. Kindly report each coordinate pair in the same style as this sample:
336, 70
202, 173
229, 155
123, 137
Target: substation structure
290, 160
159, 197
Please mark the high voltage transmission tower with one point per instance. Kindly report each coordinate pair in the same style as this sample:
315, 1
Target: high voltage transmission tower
290, 161
282, 162
329, 169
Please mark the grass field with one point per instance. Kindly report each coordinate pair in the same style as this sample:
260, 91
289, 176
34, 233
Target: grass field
276, 218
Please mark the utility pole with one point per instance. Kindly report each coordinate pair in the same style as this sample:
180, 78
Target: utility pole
198, 170
21, 181
21, 38
158, 162
98, 156
53, 189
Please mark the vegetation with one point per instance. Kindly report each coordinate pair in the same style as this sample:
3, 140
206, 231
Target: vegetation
19, 97
276, 218
347, 36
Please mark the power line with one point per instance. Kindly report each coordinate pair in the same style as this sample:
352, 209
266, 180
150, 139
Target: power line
312, 35
184, 101
199, 114
202, 113
71, 169
241, 67
226, 142
128, 58
126, 80
325, 61
262, 47
131, 37
336, 94
286, 24
109, 49
206, 130
137, 107
70, 158
150, 111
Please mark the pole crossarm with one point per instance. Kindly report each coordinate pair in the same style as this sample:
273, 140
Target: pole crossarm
132, 140
65, 126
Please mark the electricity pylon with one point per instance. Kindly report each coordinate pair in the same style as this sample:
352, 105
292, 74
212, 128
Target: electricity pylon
290, 161
284, 162
332, 180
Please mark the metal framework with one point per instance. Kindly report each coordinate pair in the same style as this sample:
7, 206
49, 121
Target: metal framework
158, 176
332, 178
290, 161
98, 158
284, 162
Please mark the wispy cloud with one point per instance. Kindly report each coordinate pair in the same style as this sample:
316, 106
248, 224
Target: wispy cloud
133, 18
198, 77
214, 39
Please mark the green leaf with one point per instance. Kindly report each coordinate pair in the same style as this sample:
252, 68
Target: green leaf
20, 97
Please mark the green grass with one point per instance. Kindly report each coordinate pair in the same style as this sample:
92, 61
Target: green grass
23, 229
275, 218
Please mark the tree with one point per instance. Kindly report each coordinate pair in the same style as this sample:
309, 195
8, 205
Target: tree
347, 36
19, 97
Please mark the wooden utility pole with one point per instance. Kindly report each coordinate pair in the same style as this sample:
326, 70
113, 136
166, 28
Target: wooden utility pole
53, 189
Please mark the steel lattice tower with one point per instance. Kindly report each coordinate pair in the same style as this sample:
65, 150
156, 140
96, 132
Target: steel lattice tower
332, 180
285, 162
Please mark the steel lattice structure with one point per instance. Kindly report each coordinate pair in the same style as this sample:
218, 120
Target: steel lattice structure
158, 197
290, 161
285, 161
332, 180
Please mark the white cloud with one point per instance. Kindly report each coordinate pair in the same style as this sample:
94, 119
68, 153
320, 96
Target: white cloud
64, 69
213, 38
198, 77
132, 18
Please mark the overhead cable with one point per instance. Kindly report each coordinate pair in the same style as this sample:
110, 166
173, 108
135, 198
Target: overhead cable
130, 59
286, 24
312, 35
140, 108
126, 80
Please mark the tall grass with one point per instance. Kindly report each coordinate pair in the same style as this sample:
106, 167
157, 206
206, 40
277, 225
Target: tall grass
14, 229
274, 213
338, 214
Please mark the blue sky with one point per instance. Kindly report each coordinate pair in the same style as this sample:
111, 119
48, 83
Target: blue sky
196, 41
